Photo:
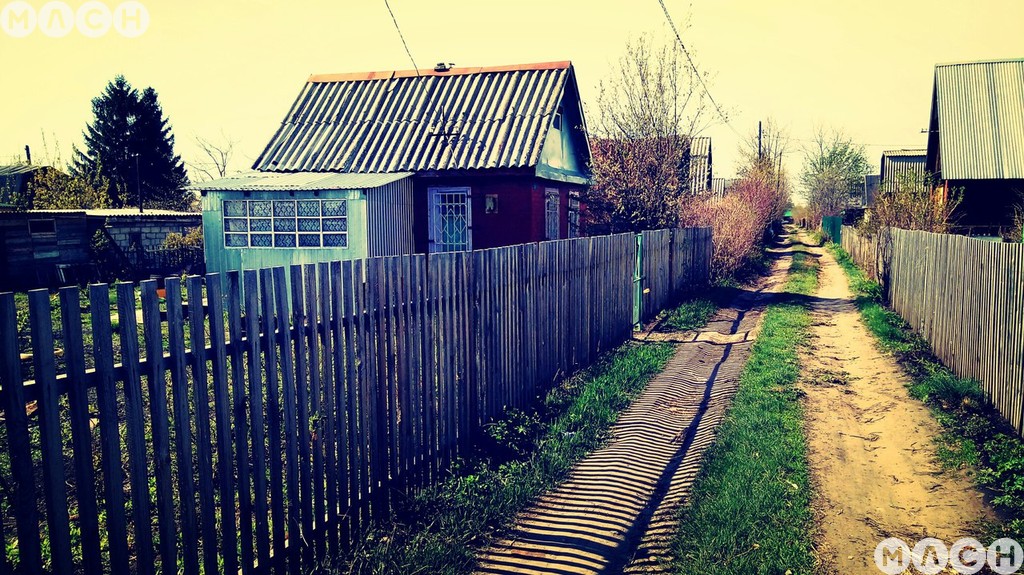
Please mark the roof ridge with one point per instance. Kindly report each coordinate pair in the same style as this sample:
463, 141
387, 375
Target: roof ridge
390, 74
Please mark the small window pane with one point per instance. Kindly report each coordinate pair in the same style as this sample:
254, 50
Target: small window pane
259, 209
284, 208
235, 225
335, 225
336, 240
309, 225
284, 240
234, 208
309, 208
309, 240
335, 207
260, 240
260, 225
284, 224
236, 240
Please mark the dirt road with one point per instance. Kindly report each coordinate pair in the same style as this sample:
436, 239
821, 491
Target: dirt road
616, 511
870, 445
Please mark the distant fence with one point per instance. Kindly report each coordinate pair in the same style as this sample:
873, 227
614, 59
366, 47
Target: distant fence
964, 296
832, 227
260, 423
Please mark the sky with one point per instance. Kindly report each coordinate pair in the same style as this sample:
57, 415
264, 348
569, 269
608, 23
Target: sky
228, 70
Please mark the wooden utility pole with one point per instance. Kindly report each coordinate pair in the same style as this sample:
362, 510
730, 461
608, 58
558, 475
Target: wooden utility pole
760, 156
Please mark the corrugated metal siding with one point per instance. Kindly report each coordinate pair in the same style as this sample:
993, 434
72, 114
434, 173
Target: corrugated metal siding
898, 163
981, 119
389, 212
466, 121
700, 164
297, 181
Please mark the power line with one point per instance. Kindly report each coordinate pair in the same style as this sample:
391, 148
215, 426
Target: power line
693, 65
402, 37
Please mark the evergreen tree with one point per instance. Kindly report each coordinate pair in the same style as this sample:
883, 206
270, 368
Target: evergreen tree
129, 143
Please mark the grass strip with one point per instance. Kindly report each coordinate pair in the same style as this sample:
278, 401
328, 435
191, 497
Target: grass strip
749, 511
975, 436
525, 454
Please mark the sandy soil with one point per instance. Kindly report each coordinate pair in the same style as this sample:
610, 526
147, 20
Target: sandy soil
871, 446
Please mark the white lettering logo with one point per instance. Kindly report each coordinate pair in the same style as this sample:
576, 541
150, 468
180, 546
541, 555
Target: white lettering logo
56, 19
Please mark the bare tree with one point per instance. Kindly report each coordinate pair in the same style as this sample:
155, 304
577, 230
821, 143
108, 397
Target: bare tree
648, 110
834, 166
216, 157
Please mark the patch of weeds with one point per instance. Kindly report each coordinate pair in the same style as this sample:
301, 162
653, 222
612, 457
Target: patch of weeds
692, 314
750, 507
440, 529
975, 435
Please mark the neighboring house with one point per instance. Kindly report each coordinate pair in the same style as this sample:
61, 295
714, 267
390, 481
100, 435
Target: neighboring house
698, 165
871, 184
902, 164
49, 248
976, 140
15, 181
387, 163
720, 186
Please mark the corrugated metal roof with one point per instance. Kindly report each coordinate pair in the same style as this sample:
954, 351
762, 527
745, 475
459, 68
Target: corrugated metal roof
18, 169
466, 118
981, 119
700, 164
293, 181
898, 163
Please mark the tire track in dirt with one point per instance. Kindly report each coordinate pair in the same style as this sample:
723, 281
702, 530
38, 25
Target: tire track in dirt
871, 449
616, 512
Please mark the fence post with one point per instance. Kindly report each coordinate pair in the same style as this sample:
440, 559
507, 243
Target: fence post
638, 283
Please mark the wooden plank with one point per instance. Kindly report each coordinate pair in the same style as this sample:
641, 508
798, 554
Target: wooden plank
54, 487
255, 344
156, 378
302, 412
182, 428
288, 394
404, 386
23, 501
419, 380
273, 348
316, 421
339, 420
236, 355
81, 431
201, 407
389, 342
222, 414
349, 422
135, 429
377, 390
328, 330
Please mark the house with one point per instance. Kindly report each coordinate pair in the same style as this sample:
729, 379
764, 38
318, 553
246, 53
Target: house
15, 184
720, 186
386, 163
897, 165
51, 248
698, 164
976, 140
871, 184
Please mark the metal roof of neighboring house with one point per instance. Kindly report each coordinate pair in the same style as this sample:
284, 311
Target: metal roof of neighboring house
700, 163
980, 112
404, 121
719, 186
17, 169
295, 181
897, 163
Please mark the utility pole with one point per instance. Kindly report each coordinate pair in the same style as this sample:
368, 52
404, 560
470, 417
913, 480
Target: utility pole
138, 181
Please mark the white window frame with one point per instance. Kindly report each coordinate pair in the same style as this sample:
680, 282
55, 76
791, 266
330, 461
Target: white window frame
273, 233
434, 193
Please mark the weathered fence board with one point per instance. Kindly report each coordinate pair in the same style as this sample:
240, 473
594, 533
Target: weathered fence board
964, 296
257, 421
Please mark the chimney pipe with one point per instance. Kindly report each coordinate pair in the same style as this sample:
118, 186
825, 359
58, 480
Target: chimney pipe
28, 155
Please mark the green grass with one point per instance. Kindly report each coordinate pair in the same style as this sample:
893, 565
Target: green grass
749, 512
690, 315
974, 437
440, 530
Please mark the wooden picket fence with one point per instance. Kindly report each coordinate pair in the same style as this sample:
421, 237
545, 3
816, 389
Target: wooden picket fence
260, 421
964, 296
